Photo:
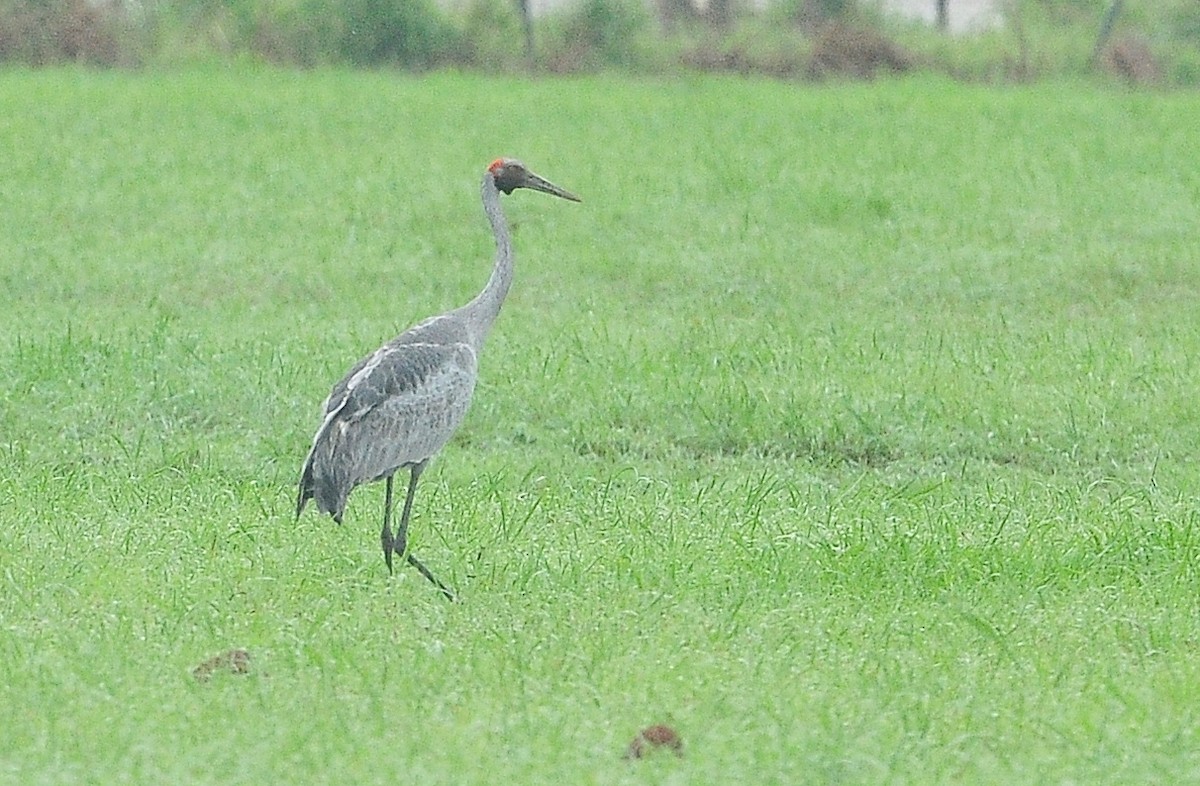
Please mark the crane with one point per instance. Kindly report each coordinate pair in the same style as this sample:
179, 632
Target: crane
399, 405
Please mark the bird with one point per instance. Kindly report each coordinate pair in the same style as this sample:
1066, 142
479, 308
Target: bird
398, 406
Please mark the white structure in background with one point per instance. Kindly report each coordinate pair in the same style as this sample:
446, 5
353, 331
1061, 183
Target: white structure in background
965, 15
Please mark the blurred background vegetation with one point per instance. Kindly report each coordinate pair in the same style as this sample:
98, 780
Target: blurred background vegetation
1144, 43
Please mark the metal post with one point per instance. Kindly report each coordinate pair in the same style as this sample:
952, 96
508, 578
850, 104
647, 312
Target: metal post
527, 25
1106, 28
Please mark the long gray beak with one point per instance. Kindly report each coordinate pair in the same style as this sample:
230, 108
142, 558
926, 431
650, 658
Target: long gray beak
542, 184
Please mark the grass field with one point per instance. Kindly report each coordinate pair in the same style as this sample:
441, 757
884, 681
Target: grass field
850, 430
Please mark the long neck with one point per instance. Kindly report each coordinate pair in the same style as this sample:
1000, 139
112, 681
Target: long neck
482, 310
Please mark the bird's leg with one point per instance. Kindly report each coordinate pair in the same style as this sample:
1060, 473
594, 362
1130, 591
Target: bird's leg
400, 545
385, 537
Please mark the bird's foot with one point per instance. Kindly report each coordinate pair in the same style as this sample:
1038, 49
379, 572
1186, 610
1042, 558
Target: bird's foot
427, 574
399, 546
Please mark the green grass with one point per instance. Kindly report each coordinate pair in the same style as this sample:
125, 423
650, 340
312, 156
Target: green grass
850, 430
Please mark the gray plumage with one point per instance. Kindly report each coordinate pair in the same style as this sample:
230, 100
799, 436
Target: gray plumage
399, 406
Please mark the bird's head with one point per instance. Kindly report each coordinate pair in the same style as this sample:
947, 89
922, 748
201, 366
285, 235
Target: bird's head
510, 174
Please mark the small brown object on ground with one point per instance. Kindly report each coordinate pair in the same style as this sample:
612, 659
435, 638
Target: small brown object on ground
236, 661
651, 737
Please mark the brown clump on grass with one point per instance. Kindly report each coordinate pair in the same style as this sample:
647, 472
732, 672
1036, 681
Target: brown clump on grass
654, 737
235, 661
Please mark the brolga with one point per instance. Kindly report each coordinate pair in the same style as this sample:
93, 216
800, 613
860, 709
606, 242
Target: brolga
398, 406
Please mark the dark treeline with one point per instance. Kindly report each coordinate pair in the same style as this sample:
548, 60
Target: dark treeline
1144, 43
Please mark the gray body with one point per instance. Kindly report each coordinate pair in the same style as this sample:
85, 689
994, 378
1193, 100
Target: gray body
396, 408
399, 406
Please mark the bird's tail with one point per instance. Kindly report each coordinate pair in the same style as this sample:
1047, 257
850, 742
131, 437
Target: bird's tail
330, 497
306, 487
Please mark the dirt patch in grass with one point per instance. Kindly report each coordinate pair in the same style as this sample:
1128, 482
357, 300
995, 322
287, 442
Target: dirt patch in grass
657, 737
235, 661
